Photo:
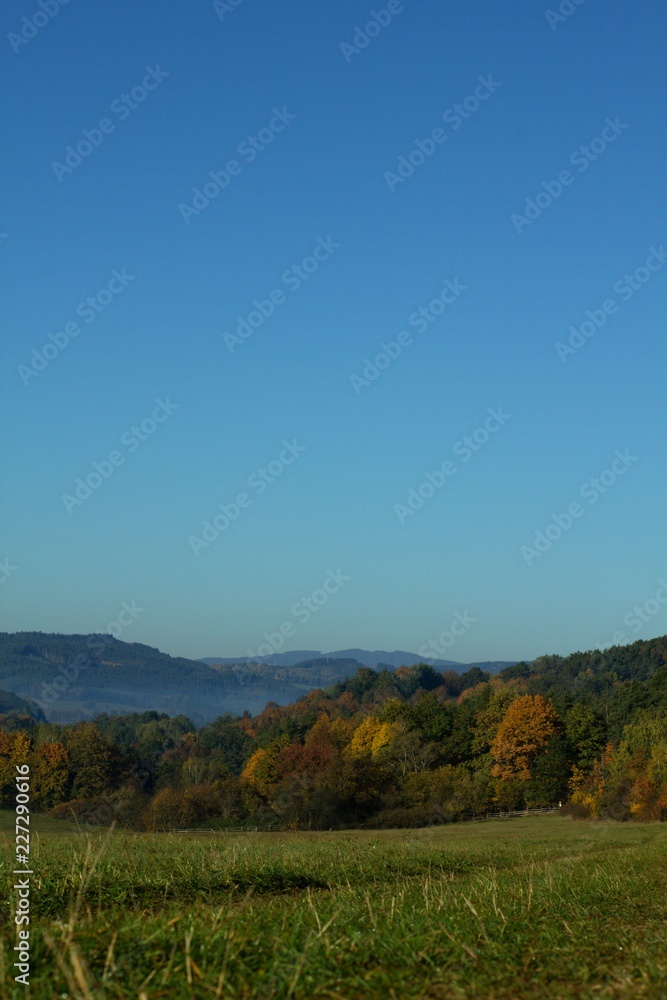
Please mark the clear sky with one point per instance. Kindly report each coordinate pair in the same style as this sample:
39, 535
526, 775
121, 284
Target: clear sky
514, 154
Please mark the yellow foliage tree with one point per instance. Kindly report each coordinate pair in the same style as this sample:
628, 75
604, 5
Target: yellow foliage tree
7, 770
254, 773
49, 773
21, 749
260, 772
371, 736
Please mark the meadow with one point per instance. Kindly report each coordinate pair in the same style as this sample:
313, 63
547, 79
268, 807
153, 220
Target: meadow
518, 909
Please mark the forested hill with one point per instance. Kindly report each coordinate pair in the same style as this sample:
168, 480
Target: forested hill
614, 684
74, 677
16, 713
618, 680
377, 659
77, 676
380, 748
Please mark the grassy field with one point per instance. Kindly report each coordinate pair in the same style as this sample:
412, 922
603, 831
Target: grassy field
518, 908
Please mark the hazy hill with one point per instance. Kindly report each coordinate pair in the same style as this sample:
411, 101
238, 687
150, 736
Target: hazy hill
74, 677
77, 676
15, 711
376, 659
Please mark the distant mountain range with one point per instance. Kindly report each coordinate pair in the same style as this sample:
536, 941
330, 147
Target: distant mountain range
73, 677
377, 659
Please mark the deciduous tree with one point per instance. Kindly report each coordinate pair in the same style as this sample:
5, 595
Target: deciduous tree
525, 731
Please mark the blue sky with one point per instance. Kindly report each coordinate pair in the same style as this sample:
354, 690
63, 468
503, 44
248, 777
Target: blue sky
316, 119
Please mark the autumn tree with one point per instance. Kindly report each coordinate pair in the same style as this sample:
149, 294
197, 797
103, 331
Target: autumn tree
260, 772
525, 731
14, 749
488, 719
49, 774
7, 769
371, 736
165, 812
336, 732
636, 771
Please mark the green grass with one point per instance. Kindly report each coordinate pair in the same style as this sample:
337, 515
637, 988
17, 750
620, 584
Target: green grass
513, 909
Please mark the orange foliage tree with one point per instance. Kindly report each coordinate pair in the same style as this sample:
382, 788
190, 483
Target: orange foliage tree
527, 726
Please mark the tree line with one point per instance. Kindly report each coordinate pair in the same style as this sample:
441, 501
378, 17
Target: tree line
408, 747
